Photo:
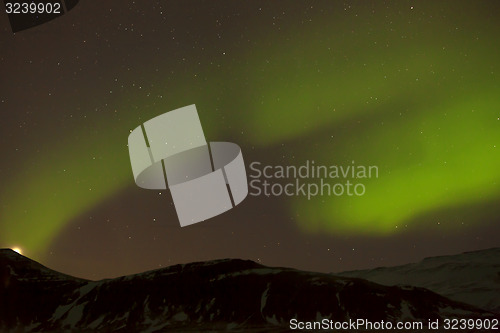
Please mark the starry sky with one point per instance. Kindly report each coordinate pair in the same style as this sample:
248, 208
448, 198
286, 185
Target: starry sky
409, 86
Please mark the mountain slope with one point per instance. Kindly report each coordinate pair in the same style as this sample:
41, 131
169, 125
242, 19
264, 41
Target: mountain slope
471, 277
216, 295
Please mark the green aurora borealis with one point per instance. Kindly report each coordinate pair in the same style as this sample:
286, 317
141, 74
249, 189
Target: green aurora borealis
411, 87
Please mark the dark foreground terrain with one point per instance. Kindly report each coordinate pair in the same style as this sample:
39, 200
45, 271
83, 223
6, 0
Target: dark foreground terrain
223, 295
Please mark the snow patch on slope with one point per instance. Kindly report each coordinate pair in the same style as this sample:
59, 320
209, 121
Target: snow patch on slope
471, 277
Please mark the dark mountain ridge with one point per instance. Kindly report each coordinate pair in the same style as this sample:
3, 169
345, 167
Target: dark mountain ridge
221, 295
470, 277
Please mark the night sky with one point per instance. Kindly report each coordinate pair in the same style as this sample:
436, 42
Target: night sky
412, 87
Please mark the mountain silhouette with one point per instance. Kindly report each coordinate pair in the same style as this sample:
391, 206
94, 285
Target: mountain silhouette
220, 295
470, 277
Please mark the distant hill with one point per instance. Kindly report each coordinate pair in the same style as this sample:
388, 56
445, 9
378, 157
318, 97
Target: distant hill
222, 295
471, 277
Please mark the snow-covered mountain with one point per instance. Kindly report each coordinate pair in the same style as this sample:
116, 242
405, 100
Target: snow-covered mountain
471, 277
222, 295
